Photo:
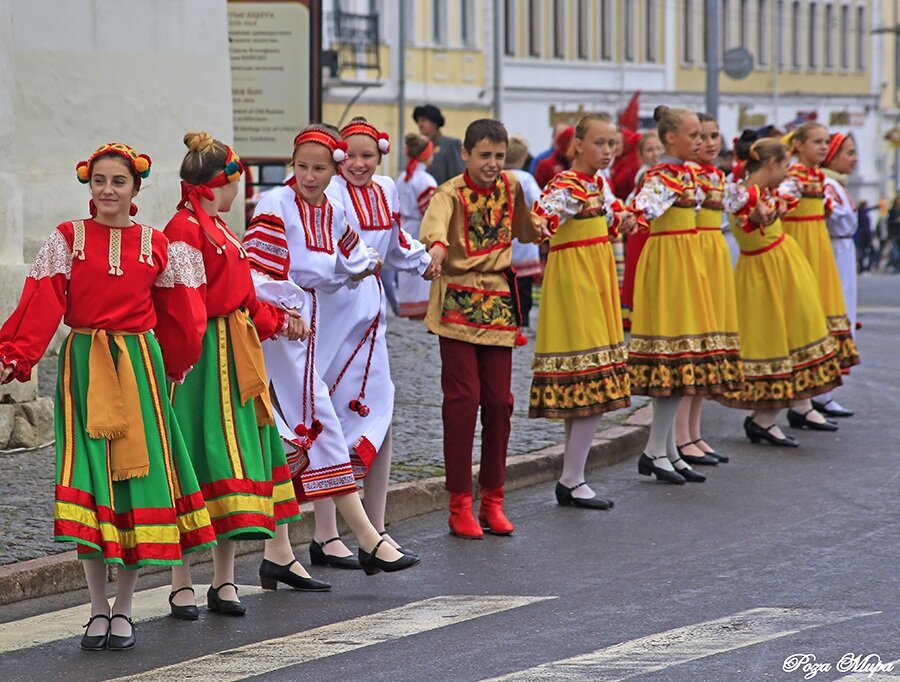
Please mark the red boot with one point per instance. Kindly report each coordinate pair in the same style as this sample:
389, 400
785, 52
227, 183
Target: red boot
491, 514
462, 521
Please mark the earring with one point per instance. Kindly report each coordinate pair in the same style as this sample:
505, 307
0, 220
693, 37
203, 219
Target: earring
92, 207
132, 211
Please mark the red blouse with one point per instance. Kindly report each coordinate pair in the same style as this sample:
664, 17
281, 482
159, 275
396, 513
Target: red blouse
217, 281
93, 276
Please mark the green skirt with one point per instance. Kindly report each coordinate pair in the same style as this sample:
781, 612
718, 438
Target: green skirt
142, 521
241, 465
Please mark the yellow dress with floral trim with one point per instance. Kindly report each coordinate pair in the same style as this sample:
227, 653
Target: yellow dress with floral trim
677, 347
806, 224
786, 349
580, 360
714, 248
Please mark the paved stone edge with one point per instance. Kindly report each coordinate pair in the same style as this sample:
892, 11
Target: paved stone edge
62, 572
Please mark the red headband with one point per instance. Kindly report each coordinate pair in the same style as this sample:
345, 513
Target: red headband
413, 160
194, 193
834, 146
338, 148
383, 140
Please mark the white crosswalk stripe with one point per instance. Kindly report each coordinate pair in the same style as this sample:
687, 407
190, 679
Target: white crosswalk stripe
681, 645
65, 623
275, 654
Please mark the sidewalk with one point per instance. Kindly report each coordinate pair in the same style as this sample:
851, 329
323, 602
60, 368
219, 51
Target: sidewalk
32, 565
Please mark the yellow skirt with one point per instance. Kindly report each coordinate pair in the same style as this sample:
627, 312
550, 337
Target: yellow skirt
811, 234
719, 273
579, 364
786, 349
677, 346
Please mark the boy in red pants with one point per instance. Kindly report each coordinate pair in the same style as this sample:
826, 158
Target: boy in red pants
468, 228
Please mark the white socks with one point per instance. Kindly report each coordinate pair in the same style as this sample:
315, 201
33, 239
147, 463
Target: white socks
660, 429
580, 434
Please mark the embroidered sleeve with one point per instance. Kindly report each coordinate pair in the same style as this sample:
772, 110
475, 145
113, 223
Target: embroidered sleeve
267, 247
354, 257
185, 267
526, 226
654, 198
424, 198
435, 226
26, 334
284, 293
790, 187
734, 198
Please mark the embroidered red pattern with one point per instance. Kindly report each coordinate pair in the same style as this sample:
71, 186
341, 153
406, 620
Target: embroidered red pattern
316, 221
370, 206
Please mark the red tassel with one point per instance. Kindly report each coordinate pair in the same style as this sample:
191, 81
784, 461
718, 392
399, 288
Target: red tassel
132, 211
317, 427
521, 340
301, 430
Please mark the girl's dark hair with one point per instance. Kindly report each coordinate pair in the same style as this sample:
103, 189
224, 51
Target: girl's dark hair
131, 171
763, 151
706, 118
484, 129
205, 157
743, 143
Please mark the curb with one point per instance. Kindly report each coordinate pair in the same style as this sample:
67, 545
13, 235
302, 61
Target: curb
62, 572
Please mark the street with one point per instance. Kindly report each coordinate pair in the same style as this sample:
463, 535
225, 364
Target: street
782, 563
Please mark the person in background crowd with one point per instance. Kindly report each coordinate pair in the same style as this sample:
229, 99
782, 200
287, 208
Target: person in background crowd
557, 129
558, 161
892, 242
446, 159
526, 258
864, 237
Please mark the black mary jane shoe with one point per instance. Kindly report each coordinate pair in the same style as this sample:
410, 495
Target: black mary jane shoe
831, 411
95, 642
402, 550
723, 459
799, 420
121, 642
687, 473
371, 564
565, 498
757, 433
700, 460
270, 574
646, 467
226, 607
186, 612
318, 557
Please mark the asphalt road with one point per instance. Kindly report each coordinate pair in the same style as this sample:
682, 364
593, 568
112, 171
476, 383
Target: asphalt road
780, 553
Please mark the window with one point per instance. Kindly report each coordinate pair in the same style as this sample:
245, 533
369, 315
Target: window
745, 24
845, 36
779, 33
762, 34
439, 22
628, 29
409, 23
725, 25
534, 28
509, 28
467, 22
606, 24
795, 34
559, 29
584, 18
650, 22
828, 31
860, 38
812, 33
687, 32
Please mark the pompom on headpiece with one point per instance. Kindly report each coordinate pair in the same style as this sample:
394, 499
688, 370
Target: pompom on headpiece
140, 163
338, 148
382, 139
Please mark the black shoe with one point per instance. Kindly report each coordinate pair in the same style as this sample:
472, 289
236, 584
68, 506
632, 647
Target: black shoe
722, 458
224, 606
270, 574
188, 612
798, 421
95, 642
702, 460
120, 642
402, 550
647, 467
757, 433
565, 498
687, 473
831, 411
318, 557
371, 564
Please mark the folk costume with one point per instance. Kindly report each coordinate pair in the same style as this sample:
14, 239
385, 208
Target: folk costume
842, 223
125, 488
223, 405
298, 252
714, 249
806, 224
414, 190
473, 310
677, 346
526, 258
786, 349
580, 360
356, 365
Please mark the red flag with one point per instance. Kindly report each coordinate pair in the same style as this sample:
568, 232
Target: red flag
629, 117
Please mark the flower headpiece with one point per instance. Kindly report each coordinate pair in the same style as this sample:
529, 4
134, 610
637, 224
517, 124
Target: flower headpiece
140, 163
338, 148
383, 140
834, 146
